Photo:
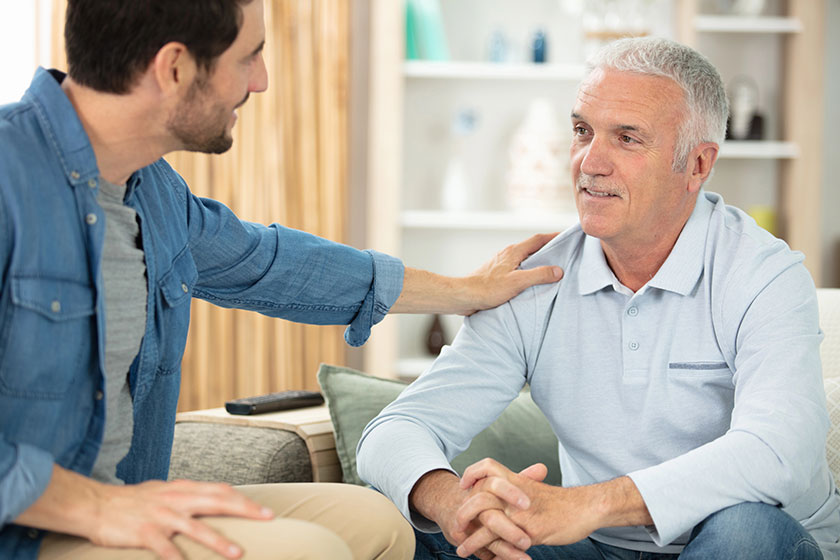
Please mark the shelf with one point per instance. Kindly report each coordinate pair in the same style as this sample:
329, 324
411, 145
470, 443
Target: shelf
746, 24
500, 221
758, 149
492, 71
410, 368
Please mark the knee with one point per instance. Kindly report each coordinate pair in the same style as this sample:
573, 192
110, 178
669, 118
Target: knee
394, 536
751, 530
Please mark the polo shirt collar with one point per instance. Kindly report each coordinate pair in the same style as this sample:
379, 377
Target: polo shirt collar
680, 271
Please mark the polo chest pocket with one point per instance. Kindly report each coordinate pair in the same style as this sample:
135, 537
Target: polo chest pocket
176, 288
48, 337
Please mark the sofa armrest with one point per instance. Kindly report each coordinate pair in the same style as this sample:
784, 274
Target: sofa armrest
289, 446
238, 454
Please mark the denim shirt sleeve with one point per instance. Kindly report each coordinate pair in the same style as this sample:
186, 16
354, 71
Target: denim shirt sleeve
25, 471
290, 274
385, 289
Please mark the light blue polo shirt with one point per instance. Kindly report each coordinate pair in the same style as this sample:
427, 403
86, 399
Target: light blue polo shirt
705, 386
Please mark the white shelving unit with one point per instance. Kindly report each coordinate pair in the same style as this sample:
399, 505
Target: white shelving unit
491, 71
495, 221
758, 149
746, 24
782, 52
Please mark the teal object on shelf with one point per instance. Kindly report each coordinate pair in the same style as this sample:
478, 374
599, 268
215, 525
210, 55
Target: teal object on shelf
412, 51
430, 38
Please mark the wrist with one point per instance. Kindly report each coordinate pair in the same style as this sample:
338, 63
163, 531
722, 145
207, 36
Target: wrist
434, 493
617, 503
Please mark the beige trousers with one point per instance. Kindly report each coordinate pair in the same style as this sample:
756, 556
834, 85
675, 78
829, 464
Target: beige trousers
314, 522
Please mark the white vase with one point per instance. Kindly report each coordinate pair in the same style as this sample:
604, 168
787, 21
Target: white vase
538, 177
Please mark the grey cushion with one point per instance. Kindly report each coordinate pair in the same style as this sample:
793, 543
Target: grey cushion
238, 454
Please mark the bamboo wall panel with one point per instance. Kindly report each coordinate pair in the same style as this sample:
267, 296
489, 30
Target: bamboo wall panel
288, 164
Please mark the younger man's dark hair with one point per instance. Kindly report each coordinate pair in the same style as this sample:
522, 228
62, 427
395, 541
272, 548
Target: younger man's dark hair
111, 42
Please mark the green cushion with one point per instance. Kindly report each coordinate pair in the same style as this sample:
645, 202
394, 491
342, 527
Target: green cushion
520, 437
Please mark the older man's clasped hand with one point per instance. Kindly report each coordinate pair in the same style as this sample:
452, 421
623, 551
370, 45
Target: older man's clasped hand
504, 513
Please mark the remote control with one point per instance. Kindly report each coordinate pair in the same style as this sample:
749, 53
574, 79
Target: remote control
273, 402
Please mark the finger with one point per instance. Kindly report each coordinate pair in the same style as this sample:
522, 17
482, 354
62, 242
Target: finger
539, 275
482, 469
484, 554
217, 500
537, 472
476, 543
506, 490
163, 547
494, 525
506, 529
531, 245
504, 551
475, 506
206, 536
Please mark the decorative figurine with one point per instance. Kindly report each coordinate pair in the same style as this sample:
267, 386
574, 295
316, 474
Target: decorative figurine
745, 122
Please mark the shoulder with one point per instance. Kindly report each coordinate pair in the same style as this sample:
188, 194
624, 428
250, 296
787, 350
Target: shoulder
560, 251
734, 239
744, 259
19, 131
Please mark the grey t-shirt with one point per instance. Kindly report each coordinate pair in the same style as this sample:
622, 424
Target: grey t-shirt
124, 280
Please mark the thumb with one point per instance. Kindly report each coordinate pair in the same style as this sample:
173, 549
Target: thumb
536, 472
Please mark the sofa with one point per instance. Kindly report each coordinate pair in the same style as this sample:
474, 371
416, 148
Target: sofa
242, 454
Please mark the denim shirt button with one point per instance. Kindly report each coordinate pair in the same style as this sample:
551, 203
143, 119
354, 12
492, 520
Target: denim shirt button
33, 534
55, 306
92, 183
98, 395
184, 288
90, 219
74, 175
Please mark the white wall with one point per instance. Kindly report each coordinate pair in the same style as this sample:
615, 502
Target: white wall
22, 45
831, 148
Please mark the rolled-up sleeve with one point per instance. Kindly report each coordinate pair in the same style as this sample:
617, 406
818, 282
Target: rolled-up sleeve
25, 472
385, 289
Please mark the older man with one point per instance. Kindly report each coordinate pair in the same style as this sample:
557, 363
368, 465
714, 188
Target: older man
677, 362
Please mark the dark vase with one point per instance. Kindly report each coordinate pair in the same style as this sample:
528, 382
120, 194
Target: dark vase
435, 336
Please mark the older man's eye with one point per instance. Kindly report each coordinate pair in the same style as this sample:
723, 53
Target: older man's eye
627, 139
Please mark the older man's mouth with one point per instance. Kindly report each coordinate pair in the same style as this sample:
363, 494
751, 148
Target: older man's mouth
599, 194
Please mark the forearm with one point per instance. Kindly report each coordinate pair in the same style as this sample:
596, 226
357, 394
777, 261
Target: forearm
616, 503
491, 285
426, 292
68, 505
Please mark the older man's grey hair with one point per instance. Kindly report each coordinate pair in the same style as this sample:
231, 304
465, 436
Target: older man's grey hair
704, 93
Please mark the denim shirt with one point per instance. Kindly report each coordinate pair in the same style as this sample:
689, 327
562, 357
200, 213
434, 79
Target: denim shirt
52, 314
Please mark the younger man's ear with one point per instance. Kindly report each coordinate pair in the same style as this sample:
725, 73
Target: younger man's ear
703, 159
174, 68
